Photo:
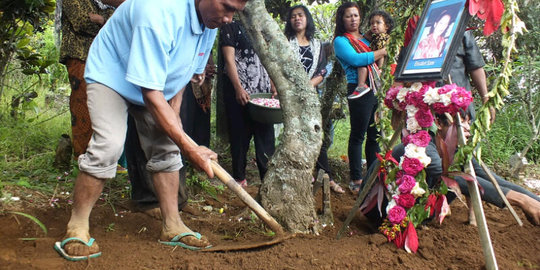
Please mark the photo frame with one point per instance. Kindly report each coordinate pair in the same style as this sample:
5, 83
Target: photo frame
432, 49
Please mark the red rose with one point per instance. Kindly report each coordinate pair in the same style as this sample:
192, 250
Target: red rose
406, 200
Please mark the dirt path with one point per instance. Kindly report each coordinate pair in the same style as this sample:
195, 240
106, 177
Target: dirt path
129, 241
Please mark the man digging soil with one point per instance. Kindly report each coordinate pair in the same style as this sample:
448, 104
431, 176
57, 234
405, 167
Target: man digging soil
142, 57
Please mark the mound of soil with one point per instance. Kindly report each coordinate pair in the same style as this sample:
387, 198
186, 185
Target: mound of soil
128, 240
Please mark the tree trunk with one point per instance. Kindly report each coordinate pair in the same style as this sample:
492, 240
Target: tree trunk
335, 85
286, 190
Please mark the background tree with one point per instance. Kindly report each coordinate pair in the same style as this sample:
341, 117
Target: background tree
286, 190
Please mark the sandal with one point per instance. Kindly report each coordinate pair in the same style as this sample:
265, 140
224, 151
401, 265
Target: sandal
336, 188
354, 188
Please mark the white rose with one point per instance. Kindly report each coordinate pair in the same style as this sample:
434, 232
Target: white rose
446, 99
416, 86
417, 191
424, 159
414, 151
431, 96
390, 205
402, 93
411, 110
412, 125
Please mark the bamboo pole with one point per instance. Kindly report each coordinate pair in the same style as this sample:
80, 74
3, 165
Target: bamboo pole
485, 240
498, 188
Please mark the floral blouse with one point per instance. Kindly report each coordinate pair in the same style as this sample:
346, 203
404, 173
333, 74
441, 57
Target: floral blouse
77, 29
253, 77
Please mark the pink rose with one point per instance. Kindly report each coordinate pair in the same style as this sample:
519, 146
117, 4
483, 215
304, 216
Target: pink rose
446, 88
407, 184
412, 166
405, 200
431, 84
414, 98
396, 214
391, 96
461, 98
399, 175
406, 140
424, 118
420, 138
439, 108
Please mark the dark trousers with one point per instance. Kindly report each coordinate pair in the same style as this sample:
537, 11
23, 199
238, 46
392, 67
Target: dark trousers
490, 194
196, 124
322, 160
241, 129
362, 118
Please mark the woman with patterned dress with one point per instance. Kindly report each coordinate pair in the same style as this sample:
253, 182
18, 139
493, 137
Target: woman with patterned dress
245, 75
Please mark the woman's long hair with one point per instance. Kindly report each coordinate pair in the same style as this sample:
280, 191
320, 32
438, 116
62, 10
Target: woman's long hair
340, 27
310, 24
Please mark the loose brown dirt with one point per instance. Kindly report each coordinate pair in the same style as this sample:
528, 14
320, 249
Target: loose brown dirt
128, 240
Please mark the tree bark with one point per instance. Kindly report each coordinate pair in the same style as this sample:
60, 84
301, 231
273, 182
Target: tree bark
286, 190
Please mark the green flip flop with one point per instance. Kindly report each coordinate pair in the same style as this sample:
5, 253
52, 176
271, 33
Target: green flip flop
177, 241
59, 247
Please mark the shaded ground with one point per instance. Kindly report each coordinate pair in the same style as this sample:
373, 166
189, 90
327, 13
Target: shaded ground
129, 239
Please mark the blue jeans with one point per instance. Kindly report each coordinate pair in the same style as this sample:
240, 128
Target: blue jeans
362, 118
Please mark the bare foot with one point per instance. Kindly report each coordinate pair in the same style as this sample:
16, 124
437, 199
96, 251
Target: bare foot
531, 208
75, 248
168, 234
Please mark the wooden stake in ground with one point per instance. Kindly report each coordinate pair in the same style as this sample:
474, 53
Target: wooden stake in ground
485, 240
327, 216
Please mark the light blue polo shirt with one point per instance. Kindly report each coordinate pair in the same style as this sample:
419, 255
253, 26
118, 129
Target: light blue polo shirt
156, 44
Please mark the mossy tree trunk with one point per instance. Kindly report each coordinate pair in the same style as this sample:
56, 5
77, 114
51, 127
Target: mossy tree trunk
286, 192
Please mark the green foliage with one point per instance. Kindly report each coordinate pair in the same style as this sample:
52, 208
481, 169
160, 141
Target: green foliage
499, 88
27, 146
194, 178
19, 21
32, 218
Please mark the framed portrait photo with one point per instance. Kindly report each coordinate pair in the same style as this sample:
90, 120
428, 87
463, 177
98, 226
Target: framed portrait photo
432, 49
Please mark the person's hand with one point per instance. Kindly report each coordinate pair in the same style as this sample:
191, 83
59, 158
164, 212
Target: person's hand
273, 89
201, 157
210, 70
242, 97
198, 79
96, 18
492, 112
